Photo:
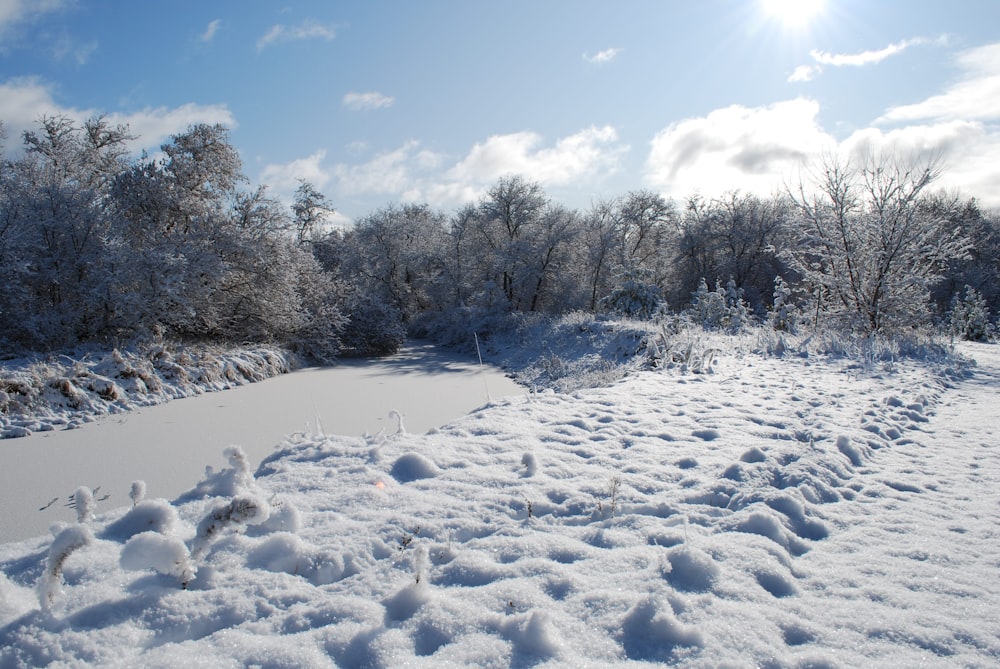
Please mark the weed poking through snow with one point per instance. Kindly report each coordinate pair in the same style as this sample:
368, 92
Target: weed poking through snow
65, 544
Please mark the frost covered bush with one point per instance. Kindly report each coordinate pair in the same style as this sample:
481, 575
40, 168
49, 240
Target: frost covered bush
137, 492
246, 509
969, 317
722, 308
83, 501
148, 515
782, 314
164, 554
227, 482
65, 544
634, 296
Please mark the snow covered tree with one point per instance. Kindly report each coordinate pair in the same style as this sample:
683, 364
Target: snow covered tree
595, 251
782, 312
736, 235
504, 222
95, 245
969, 317
981, 268
643, 222
311, 210
394, 255
57, 240
867, 246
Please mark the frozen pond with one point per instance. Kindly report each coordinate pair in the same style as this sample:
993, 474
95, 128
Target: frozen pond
168, 446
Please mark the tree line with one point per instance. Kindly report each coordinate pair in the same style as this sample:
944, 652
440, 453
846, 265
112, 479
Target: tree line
99, 245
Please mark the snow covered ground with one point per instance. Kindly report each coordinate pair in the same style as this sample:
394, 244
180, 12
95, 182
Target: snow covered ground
781, 512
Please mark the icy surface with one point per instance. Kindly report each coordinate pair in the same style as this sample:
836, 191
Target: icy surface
168, 446
794, 512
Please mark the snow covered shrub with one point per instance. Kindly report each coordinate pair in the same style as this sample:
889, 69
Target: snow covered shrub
245, 509
73, 396
284, 517
83, 501
164, 554
66, 542
226, 483
634, 297
969, 317
136, 374
148, 515
739, 312
782, 313
722, 308
137, 492
373, 327
708, 308
688, 350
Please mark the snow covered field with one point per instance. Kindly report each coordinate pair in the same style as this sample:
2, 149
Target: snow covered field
781, 512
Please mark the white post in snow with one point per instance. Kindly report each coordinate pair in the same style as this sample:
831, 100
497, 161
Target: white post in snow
482, 368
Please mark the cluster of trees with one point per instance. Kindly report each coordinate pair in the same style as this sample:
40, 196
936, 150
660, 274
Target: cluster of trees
98, 245
866, 247
95, 245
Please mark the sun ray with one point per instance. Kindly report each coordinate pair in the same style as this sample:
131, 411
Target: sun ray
793, 14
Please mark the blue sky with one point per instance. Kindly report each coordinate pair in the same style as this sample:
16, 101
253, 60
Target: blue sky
377, 102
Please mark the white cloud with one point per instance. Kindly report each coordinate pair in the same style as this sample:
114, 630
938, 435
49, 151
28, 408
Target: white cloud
65, 48
761, 149
751, 149
24, 101
416, 174
280, 33
14, 12
413, 173
860, 59
975, 95
864, 57
601, 57
154, 126
370, 100
590, 152
284, 178
969, 152
210, 30
804, 73
390, 172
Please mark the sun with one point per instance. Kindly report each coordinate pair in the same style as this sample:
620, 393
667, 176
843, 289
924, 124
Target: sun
794, 14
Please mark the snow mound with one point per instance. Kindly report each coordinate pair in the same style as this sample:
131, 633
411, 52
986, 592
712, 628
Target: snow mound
412, 467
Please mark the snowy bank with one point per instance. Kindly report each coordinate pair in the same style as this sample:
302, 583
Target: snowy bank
787, 512
59, 391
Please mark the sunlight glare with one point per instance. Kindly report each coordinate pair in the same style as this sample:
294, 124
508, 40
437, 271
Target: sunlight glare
794, 14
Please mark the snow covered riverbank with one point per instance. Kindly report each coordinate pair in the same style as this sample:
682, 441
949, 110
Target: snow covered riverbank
800, 511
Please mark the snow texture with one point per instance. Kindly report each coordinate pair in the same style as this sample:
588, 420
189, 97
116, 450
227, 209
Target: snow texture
840, 515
